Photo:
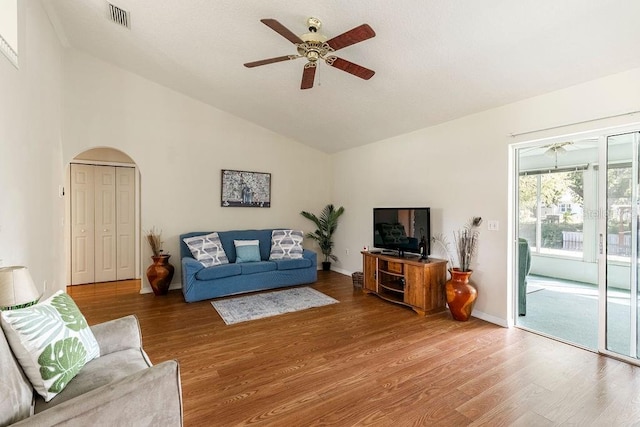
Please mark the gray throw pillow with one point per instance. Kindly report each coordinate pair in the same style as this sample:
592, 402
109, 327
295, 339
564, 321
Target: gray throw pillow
286, 244
207, 249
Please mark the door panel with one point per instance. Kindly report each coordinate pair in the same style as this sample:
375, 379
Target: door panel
414, 289
125, 216
556, 266
370, 272
105, 195
82, 224
621, 289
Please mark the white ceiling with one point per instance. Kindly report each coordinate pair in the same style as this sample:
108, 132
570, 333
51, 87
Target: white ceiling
435, 60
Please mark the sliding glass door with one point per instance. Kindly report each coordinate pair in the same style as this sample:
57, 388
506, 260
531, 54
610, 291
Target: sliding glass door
557, 282
619, 308
577, 240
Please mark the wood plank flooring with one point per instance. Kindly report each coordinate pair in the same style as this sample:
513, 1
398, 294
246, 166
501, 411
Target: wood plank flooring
365, 362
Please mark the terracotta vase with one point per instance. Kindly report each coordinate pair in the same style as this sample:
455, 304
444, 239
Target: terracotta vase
461, 295
160, 274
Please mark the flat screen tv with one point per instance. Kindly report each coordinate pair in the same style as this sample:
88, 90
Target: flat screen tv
402, 229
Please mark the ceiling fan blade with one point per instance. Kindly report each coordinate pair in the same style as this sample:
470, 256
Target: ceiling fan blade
271, 60
282, 30
308, 75
353, 36
350, 67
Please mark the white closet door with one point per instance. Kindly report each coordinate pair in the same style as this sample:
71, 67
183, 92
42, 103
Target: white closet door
126, 226
82, 224
105, 219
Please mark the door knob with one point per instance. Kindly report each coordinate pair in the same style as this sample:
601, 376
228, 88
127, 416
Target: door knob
105, 230
82, 231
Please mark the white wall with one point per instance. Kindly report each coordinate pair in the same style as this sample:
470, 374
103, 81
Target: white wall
180, 146
618, 273
31, 213
460, 169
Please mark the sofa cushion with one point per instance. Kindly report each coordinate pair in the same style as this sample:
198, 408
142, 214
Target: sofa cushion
103, 370
247, 250
207, 249
292, 264
219, 271
16, 390
227, 238
286, 244
258, 267
52, 341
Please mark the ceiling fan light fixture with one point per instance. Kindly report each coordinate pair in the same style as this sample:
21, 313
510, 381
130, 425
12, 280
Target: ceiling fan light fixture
314, 37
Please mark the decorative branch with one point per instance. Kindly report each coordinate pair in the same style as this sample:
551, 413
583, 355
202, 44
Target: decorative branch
466, 243
154, 238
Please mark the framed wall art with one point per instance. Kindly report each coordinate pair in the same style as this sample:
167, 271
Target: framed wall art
245, 189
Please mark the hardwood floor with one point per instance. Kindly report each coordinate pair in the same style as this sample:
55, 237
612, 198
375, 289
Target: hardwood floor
365, 361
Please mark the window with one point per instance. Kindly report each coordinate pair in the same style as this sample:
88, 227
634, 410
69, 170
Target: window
9, 30
551, 212
620, 212
565, 208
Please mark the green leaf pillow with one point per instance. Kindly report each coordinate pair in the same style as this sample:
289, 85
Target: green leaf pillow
52, 341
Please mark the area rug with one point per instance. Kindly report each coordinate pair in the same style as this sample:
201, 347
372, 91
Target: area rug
267, 304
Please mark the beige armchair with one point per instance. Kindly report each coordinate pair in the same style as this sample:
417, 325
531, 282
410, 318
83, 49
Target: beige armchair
121, 387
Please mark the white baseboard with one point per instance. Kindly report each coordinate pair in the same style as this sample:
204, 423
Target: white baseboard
341, 271
144, 289
489, 318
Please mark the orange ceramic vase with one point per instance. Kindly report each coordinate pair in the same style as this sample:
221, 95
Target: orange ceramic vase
461, 295
160, 274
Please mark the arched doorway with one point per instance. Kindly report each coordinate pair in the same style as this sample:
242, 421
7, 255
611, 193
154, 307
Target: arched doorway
102, 222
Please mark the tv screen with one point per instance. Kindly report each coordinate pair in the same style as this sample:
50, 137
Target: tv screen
401, 229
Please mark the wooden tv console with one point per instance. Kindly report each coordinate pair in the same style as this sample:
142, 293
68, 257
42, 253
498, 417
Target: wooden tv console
411, 281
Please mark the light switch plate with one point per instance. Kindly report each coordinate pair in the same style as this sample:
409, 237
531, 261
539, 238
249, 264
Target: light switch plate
493, 225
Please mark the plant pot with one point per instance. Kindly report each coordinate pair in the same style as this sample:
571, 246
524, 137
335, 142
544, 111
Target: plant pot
326, 266
461, 295
160, 274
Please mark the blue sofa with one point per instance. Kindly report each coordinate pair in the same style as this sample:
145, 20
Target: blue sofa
201, 283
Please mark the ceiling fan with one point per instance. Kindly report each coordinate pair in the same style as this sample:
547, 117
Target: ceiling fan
554, 149
314, 46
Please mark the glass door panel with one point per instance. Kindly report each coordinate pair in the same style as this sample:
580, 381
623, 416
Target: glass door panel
621, 289
557, 272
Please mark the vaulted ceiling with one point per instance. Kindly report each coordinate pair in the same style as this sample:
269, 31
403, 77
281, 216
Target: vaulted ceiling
434, 60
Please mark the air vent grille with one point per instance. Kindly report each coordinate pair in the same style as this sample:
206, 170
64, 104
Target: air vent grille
119, 16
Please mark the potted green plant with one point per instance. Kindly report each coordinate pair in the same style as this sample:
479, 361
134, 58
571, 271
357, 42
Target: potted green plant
161, 271
326, 225
461, 295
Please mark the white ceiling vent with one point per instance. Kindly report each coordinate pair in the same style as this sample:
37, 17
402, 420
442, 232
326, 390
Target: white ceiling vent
119, 16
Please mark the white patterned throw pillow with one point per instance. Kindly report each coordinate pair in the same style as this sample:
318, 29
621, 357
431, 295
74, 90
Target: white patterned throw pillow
207, 249
286, 244
52, 342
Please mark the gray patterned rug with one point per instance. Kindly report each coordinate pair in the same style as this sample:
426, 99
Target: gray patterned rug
267, 304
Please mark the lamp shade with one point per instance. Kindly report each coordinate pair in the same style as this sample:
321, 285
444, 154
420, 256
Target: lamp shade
17, 288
